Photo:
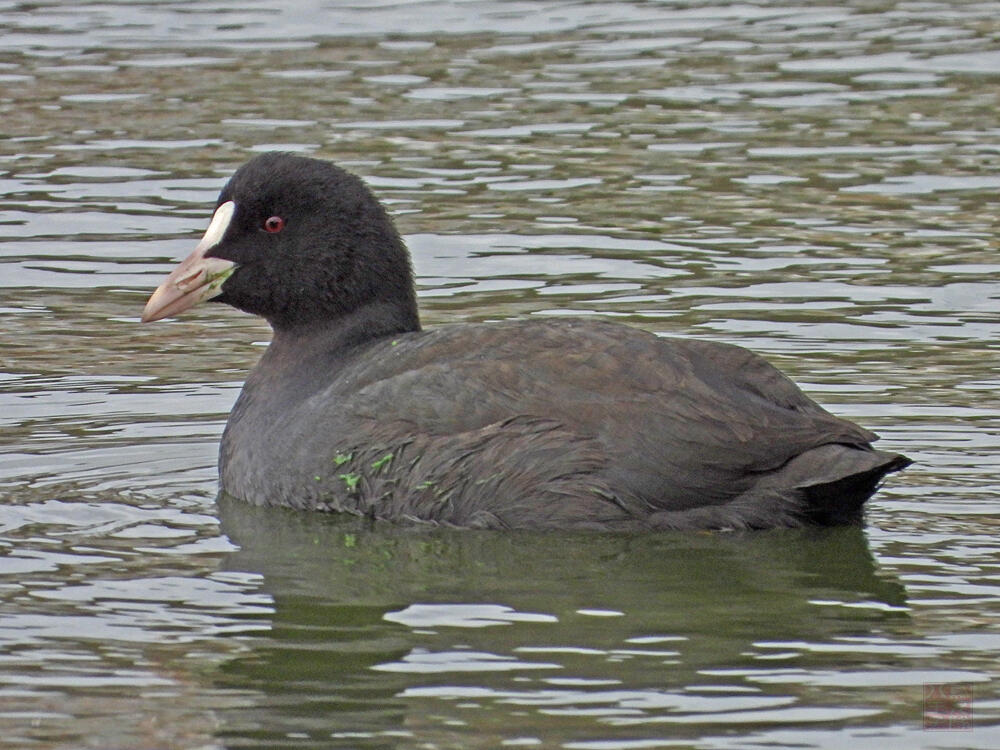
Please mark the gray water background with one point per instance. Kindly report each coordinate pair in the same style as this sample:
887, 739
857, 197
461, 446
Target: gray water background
816, 182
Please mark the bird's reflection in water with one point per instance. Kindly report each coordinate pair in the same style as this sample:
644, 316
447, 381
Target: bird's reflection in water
372, 621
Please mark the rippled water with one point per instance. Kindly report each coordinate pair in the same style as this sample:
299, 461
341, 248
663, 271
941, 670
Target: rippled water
816, 182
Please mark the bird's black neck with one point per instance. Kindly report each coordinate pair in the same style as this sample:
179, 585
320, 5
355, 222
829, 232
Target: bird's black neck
327, 338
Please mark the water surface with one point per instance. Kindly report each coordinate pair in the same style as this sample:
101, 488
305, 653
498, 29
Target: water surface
817, 183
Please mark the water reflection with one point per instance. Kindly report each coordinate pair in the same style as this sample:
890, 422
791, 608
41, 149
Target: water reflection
380, 630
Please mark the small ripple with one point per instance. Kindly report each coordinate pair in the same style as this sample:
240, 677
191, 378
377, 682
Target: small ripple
462, 616
426, 662
925, 183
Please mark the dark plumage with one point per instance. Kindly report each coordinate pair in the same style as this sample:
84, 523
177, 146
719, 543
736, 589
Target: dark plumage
521, 424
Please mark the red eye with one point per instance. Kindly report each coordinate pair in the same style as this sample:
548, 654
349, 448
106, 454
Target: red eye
274, 225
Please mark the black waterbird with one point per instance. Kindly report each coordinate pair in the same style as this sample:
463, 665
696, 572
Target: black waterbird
521, 424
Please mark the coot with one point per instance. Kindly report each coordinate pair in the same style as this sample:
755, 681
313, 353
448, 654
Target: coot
514, 425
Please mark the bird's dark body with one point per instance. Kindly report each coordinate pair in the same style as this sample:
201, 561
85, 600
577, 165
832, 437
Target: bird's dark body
522, 424
538, 424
